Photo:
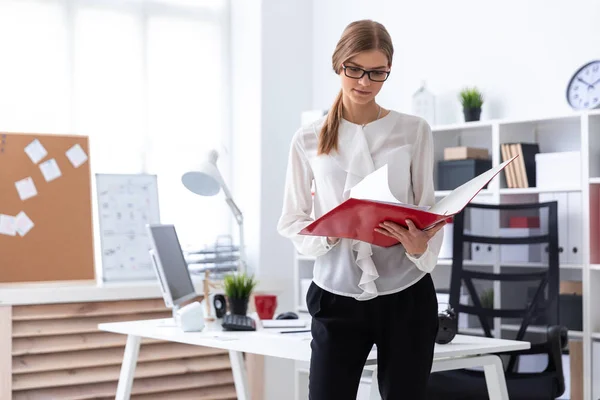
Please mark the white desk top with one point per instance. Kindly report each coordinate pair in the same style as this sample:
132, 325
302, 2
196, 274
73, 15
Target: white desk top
295, 346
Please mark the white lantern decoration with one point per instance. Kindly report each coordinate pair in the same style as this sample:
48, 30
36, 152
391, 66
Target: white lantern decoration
424, 104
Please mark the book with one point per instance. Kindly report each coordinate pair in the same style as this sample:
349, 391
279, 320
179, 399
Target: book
371, 202
522, 173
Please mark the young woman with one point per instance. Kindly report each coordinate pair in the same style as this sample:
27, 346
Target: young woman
361, 294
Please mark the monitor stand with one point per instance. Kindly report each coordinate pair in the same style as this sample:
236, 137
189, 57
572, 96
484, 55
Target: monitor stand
174, 310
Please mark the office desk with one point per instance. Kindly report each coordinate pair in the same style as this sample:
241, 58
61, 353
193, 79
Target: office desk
462, 352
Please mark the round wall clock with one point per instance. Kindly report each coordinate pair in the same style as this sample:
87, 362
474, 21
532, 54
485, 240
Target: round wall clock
583, 90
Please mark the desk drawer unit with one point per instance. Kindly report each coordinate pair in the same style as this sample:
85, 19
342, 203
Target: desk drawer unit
55, 351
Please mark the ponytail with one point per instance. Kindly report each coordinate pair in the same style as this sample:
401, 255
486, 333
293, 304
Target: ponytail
328, 138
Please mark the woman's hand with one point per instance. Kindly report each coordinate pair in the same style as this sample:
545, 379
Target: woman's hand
413, 239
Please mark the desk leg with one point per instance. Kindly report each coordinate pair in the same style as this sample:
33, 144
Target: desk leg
132, 350
492, 366
240, 378
495, 380
374, 392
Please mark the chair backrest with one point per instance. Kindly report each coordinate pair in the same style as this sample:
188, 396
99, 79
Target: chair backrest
545, 299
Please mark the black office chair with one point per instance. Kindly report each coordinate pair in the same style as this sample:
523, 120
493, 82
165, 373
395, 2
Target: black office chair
546, 384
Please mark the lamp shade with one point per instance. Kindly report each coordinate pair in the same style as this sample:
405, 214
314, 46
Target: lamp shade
205, 180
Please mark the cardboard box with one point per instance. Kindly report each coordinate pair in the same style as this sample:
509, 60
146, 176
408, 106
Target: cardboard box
576, 369
571, 287
465, 153
570, 305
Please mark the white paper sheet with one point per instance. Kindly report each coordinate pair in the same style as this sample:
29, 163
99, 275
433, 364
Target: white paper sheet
374, 187
50, 170
36, 151
23, 223
26, 188
8, 225
76, 155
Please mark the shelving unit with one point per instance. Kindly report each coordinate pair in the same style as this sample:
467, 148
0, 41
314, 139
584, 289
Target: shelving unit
572, 132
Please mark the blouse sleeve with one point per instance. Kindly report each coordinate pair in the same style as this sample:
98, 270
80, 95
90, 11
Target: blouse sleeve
298, 203
424, 193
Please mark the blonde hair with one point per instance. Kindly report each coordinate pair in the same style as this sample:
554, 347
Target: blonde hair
357, 37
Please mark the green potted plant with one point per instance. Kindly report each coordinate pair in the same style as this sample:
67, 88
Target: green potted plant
471, 100
487, 301
238, 288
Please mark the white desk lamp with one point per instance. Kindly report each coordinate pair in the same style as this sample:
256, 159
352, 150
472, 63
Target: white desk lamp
206, 180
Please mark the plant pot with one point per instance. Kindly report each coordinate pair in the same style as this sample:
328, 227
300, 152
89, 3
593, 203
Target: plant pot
472, 114
238, 306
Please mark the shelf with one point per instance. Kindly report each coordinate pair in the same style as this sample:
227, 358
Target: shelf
523, 191
462, 126
448, 262
596, 336
540, 265
595, 267
535, 190
444, 193
573, 117
594, 180
539, 329
301, 257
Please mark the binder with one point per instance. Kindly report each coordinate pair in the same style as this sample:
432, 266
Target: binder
371, 203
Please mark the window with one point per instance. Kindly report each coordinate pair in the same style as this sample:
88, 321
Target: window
145, 80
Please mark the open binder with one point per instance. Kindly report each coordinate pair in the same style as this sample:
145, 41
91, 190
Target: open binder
371, 202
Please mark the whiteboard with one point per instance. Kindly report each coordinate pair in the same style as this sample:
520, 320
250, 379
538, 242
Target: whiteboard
126, 204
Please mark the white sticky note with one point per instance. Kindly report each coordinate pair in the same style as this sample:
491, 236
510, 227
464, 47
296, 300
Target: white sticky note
76, 155
50, 170
8, 225
23, 223
26, 188
36, 151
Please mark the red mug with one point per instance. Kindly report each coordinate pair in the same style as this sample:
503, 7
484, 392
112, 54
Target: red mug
265, 305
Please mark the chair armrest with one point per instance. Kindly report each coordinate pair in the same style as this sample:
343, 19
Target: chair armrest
558, 339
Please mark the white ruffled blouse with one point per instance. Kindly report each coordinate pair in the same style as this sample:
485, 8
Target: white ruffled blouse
351, 267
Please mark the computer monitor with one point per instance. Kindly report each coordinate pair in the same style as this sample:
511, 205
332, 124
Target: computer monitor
170, 266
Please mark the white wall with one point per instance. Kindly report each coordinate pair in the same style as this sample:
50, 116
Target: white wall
271, 78
246, 118
521, 54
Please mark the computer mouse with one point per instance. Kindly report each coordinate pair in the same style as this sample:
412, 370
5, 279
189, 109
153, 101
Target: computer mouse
287, 315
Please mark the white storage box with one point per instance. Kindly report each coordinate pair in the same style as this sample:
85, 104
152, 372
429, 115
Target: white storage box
516, 253
558, 170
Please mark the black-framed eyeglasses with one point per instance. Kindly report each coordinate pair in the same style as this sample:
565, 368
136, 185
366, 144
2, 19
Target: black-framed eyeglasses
356, 73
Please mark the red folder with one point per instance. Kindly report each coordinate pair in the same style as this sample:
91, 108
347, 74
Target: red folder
357, 218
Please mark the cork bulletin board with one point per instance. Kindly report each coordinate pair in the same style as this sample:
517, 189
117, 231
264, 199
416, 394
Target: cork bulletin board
46, 229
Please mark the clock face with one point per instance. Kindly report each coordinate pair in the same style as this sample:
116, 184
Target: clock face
583, 91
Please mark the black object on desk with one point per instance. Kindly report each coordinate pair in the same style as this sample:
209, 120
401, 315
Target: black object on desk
232, 322
447, 326
287, 315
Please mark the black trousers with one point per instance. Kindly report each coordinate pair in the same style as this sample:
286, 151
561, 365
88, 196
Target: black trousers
403, 325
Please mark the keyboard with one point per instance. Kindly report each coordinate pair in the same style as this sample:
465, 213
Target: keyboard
233, 322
